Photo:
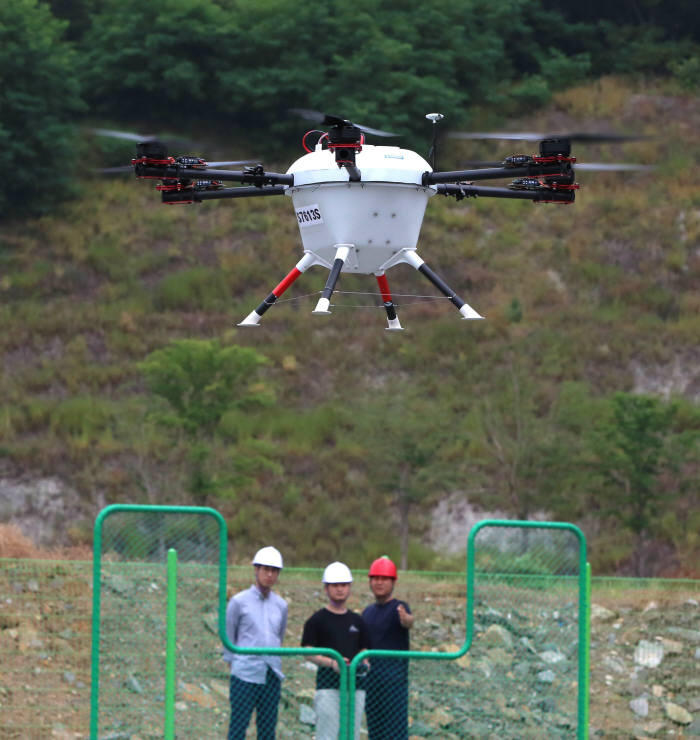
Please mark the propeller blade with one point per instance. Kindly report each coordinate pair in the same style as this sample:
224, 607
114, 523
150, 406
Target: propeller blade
603, 167
375, 131
593, 166
580, 136
111, 133
315, 116
139, 138
116, 170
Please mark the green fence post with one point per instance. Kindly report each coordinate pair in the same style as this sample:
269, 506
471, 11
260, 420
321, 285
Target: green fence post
584, 693
170, 646
95, 652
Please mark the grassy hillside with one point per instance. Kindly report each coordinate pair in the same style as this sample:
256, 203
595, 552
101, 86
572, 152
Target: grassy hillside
367, 428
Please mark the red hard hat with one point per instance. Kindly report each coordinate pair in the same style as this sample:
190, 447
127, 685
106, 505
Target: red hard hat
383, 567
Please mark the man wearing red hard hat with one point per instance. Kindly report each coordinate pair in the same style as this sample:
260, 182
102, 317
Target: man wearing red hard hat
388, 621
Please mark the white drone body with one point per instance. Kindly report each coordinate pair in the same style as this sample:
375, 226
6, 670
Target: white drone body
362, 227
378, 218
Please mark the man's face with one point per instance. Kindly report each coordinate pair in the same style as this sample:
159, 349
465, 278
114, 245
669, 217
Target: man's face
266, 576
381, 587
338, 592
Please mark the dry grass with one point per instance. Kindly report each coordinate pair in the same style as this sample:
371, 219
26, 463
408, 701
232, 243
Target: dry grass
14, 544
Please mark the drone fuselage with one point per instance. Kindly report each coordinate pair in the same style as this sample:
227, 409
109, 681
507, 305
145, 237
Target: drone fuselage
378, 218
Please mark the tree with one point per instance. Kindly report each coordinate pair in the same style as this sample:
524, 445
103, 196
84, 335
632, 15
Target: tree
635, 454
515, 441
247, 61
200, 380
155, 60
39, 95
410, 447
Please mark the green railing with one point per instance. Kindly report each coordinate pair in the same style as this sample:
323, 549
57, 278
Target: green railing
527, 585
145, 542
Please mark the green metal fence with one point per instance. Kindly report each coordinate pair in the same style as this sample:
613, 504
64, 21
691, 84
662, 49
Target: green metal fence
158, 573
45, 662
529, 615
44, 648
158, 625
521, 667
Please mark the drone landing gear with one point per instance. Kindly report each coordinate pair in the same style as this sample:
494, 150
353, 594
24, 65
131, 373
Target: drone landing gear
253, 318
465, 309
324, 302
392, 318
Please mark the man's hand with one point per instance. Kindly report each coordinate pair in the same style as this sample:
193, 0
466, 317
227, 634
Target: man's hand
405, 618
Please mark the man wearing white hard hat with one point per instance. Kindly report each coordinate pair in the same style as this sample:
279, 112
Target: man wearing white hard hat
256, 617
335, 626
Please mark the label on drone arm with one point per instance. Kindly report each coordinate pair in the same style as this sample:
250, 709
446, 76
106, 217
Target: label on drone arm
309, 215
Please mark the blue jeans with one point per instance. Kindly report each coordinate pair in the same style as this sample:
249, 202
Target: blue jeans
245, 696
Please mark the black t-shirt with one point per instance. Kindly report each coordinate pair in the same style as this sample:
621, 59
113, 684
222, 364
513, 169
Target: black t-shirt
386, 633
346, 633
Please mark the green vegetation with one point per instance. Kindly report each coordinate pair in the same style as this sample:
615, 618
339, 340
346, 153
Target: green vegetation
193, 65
200, 382
124, 374
39, 93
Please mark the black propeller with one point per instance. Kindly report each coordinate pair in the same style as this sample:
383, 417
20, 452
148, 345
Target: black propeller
130, 167
325, 119
580, 136
615, 167
149, 138
593, 166
138, 138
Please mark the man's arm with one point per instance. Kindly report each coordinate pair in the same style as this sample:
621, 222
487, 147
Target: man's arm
405, 616
310, 639
323, 661
283, 622
233, 613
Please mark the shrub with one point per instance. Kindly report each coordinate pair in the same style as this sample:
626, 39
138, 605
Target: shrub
200, 288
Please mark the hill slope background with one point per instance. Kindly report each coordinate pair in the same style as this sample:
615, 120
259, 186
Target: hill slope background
341, 439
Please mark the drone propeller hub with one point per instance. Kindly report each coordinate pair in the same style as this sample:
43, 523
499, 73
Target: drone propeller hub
152, 150
555, 147
345, 140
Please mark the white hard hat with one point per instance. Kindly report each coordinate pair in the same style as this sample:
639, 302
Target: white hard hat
337, 573
269, 556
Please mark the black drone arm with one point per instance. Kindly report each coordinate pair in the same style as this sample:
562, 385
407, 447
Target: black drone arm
496, 173
534, 191
252, 175
201, 192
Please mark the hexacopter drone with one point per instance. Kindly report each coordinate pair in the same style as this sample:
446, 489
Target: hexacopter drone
360, 207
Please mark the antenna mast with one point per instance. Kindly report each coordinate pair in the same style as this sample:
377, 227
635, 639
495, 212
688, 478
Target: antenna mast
432, 154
